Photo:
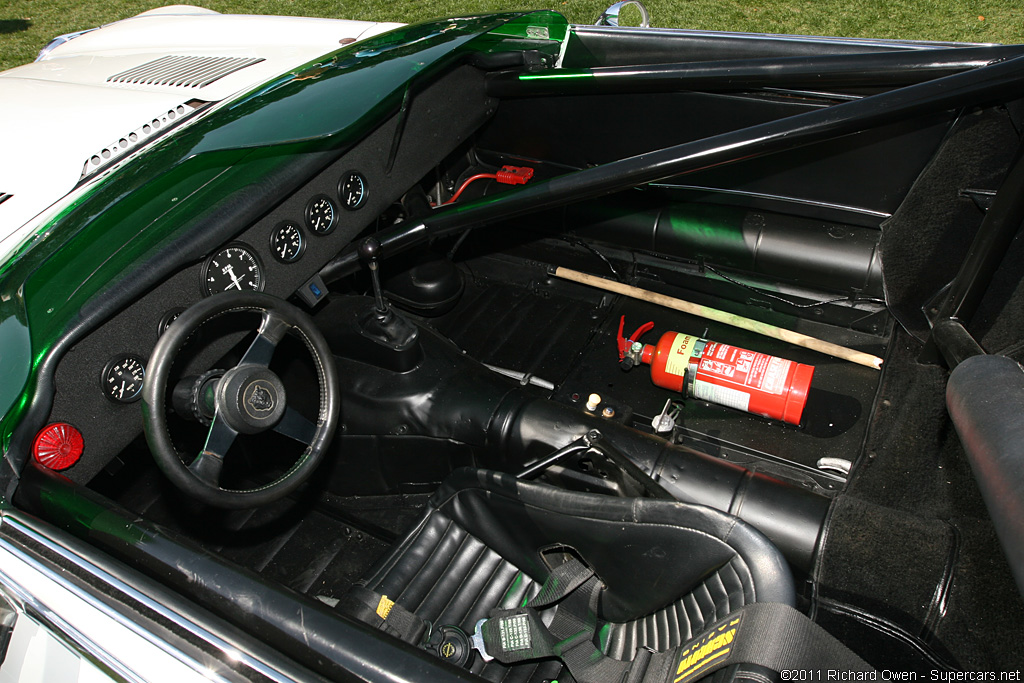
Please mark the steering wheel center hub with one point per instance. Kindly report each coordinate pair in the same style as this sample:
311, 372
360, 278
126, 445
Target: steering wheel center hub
251, 399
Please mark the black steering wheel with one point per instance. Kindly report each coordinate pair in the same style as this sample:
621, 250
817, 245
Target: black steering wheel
248, 399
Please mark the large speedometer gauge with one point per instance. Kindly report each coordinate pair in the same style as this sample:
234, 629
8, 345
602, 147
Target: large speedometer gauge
236, 267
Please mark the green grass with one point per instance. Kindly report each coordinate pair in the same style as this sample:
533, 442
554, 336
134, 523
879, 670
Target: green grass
26, 25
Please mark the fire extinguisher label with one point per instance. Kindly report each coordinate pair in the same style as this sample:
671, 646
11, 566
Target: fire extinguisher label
718, 367
748, 368
775, 376
725, 396
679, 353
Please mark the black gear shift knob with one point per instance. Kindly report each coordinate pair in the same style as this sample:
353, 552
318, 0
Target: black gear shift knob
370, 249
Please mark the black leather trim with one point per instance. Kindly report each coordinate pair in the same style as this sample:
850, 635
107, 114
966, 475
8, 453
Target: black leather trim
446, 576
985, 397
672, 547
724, 591
669, 568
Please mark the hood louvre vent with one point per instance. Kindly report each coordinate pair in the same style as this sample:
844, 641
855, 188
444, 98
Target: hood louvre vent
4, 197
183, 72
139, 137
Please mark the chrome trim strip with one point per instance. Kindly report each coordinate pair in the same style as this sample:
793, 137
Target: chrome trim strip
60, 628
227, 652
57, 41
815, 94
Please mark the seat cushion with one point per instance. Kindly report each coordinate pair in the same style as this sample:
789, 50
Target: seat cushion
444, 575
479, 547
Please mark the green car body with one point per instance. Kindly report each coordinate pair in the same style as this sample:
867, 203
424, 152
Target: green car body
124, 226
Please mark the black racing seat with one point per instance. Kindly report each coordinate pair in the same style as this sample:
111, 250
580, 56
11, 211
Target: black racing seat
668, 569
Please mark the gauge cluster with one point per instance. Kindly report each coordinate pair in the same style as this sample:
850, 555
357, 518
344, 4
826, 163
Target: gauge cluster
238, 266
102, 379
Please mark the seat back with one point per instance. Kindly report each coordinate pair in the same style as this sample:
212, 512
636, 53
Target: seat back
649, 554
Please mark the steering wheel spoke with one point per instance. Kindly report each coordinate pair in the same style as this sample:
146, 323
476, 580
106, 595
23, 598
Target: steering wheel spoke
295, 426
206, 467
272, 330
208, 464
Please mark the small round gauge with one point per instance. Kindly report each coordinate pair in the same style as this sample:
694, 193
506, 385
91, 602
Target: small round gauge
122, 379
234, 268
287, 242
167, 318
352, 190
321, 215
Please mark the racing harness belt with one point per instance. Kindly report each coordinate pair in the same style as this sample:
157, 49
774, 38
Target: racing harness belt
771, 635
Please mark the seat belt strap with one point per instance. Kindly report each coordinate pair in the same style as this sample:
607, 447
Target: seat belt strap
384, 613
563, 580
519, 634
771, 635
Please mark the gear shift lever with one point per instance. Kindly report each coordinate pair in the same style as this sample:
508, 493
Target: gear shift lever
395, 339
369, 252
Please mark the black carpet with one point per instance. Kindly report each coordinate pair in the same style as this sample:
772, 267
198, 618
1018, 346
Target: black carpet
911, 541
924, 242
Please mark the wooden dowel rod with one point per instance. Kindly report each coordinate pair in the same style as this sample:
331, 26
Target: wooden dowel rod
828, 348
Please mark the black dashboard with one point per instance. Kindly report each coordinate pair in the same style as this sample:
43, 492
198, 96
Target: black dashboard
98, 381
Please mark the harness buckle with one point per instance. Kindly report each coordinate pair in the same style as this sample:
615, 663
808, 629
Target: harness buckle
477, 640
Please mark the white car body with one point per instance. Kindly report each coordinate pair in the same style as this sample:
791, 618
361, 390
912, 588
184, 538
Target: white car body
60, 633
76, 80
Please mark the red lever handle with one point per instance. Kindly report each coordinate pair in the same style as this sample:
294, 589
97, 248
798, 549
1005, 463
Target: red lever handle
625, 343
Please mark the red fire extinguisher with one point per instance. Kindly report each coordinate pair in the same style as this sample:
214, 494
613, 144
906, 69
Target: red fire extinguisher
718, 373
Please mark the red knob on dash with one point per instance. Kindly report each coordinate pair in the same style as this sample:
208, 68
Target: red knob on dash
58, 446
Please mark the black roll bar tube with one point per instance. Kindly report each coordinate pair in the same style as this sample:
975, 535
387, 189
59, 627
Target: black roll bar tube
878, 69
997, 82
